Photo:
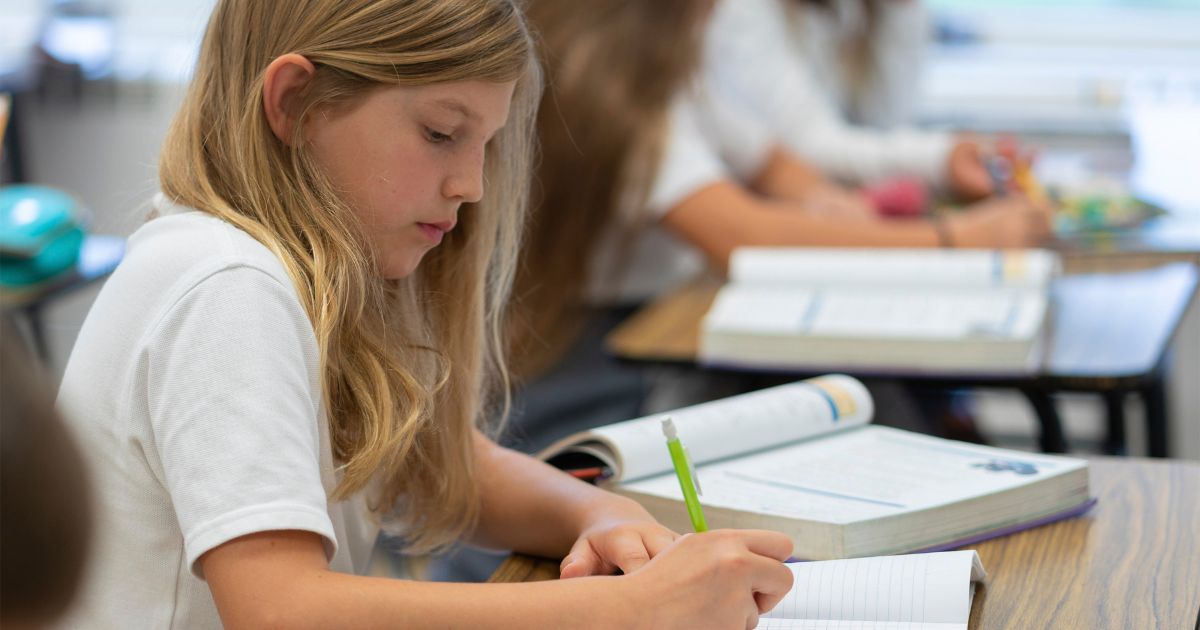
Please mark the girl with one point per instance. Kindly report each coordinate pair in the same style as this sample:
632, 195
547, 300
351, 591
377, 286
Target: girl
305, 345
833, 80
647, 178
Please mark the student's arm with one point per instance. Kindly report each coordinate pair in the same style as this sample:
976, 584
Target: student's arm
723, 216
787, 177
531, 507
281, 579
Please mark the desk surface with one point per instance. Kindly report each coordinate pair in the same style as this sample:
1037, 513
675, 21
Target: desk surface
1132, 562
1127, 342
1161, 236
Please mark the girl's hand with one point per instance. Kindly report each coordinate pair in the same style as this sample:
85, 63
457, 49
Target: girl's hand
1004, 222
621, 536
969, 177
718, 579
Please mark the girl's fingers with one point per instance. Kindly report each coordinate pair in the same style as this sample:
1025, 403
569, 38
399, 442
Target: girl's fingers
625, 549
581, 562
772, 582
658, 540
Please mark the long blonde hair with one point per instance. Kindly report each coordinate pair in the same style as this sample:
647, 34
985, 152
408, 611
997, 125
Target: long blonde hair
613, 67
409, 368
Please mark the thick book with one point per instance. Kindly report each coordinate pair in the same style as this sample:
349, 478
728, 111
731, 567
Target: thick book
885, 310
804, 460
931, 591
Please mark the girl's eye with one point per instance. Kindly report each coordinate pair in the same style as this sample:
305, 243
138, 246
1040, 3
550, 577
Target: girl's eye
437, 137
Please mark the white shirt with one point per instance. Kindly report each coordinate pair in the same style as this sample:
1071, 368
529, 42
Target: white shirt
779, 64
708, 141
194, 389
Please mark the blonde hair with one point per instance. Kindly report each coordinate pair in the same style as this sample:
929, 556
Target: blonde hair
409, 368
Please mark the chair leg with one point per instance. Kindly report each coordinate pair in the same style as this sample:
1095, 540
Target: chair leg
37, 331
1052, 439
1114, 442
1154, 396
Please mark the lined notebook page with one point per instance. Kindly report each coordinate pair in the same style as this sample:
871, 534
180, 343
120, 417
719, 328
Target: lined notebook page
827, 624
910, 591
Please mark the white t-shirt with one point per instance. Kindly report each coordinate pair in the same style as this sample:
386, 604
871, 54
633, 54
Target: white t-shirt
708, 141
760, 58
194, 390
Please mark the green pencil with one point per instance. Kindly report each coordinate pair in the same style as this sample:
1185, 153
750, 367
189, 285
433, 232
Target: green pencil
686, 474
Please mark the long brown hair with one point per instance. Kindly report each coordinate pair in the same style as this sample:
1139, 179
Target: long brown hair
856, 58
613, 68
408, 367
44, 489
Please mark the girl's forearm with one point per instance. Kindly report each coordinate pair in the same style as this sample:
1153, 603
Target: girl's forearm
531, 507
326, 599
723, 216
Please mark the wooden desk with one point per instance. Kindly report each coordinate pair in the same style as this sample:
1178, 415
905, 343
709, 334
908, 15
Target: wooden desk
1111, 354
1132, 562
1160, 240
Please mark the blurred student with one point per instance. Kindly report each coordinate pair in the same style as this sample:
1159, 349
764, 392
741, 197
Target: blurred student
647, 179
306, 344
835, 81
45, 506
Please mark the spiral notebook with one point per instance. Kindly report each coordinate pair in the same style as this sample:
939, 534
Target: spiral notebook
931, 591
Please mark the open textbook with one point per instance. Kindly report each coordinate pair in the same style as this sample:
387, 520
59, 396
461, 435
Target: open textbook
803, 460
931, 591
979, 311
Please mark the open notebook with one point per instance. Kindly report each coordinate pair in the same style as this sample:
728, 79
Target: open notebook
803, 460
930, 591
971, 311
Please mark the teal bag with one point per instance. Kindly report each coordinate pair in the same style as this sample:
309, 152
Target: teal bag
40, 236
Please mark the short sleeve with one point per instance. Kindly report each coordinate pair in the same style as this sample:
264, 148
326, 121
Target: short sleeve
234, 405
743, 140
689, 162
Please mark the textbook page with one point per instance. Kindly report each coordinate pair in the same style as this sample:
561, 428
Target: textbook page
928, 590
860, 475
877, 313
816, 266
732, 426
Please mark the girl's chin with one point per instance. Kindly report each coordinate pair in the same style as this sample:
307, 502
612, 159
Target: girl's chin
400, 267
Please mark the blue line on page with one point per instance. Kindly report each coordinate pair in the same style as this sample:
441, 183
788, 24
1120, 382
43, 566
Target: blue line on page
828, 399
967, 453
810, 313
1010, 319
791, 486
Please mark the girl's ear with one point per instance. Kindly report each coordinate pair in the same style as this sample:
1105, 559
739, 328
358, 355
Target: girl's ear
287, 77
